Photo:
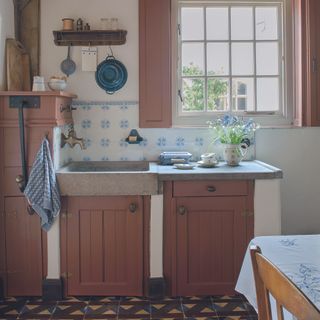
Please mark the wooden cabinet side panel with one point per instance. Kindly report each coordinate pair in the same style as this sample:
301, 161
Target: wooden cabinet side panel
155, 64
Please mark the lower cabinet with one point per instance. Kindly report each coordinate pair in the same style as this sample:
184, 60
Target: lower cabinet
24, 247
104, 245
208, 225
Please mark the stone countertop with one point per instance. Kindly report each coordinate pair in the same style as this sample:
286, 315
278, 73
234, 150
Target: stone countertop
251, 170
98, 183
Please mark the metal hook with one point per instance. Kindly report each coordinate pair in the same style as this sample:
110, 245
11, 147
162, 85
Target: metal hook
46, 135
111, 51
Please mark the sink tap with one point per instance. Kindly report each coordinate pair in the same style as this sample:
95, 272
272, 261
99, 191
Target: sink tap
71, 139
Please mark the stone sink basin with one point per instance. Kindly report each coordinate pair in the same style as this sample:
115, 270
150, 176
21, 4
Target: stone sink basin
99, 178
106, 166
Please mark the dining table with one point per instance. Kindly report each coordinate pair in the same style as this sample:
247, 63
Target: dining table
297, 256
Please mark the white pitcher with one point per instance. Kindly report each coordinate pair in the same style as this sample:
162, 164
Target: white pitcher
234, 153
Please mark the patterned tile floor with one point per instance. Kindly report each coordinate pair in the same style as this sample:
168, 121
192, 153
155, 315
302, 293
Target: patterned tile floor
125, 308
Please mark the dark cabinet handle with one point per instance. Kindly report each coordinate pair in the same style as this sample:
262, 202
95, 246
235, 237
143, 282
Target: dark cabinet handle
133, 207
211, 189
182, 210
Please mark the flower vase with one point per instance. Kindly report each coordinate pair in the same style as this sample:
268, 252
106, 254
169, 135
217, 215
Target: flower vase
234, 153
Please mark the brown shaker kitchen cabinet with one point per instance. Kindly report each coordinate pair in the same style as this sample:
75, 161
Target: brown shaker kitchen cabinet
23, 240
23, 246
102, 245
208, 225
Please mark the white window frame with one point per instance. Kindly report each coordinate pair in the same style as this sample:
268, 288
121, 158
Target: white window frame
268, 119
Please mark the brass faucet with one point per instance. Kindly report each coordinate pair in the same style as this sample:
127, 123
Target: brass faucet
71, 139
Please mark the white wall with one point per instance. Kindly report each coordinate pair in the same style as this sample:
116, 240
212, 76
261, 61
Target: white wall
6, 31
296, 151
83, 83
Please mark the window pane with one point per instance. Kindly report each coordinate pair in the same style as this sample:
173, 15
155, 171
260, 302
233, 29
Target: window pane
267, 58
218, 59
193, 95
267, 23
192, 24
243, 94
268, 94
192, 59
241, 23
217, 24
218, 94
242, 59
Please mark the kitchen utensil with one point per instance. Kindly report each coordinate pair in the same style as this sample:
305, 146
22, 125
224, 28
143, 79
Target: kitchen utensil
68, 66
18, 67
111, 75
89, 58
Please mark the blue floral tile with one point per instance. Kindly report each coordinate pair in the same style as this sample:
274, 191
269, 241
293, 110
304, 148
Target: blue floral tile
124, 124
86, 159
123, 143
86, 124
124, 159
199, 141
104, 142
105, 107
143, 159
104, 158
162, 142
179, 141
87, 142
143, 143
86, 107
105, 124
124, 107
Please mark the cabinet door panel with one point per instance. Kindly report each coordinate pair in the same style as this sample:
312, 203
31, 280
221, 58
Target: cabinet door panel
104, 246
23, 249
211, 242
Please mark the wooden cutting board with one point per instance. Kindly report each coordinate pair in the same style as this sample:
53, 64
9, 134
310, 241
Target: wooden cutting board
18, 66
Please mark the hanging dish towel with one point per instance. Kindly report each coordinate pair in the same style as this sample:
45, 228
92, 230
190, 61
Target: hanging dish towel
42, 190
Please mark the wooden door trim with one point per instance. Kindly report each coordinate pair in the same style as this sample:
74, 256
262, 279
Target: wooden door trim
146, 243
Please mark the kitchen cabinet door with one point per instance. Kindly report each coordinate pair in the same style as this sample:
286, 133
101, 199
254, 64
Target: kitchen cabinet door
155, 64
23, 249
211, 243
104, 245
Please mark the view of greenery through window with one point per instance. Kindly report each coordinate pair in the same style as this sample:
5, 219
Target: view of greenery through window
194, 93
230, 57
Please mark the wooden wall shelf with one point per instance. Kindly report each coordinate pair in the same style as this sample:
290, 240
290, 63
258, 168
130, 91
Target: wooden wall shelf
92, 37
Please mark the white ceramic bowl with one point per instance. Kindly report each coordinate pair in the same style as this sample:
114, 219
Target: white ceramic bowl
57, 84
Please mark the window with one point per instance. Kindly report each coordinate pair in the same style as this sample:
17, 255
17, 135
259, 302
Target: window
231, 58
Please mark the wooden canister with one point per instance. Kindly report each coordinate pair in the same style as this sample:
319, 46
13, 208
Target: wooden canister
67, 24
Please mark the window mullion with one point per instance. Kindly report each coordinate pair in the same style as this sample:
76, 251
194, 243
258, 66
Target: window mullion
205, 59
255, 61
230, 59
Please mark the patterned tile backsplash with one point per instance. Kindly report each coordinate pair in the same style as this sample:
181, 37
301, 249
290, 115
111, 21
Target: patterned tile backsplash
105, 126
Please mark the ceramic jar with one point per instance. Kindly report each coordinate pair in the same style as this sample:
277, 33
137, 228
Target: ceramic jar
234, 153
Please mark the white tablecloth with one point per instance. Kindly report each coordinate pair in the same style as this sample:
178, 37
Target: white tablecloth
296, 256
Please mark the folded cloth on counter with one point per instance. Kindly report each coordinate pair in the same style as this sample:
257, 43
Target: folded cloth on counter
42, 190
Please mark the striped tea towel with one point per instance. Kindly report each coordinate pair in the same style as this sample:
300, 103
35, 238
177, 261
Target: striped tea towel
42, 190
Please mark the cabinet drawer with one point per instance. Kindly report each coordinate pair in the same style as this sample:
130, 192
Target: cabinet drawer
210, 188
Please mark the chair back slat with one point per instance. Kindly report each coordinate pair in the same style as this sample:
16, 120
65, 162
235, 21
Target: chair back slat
268, 278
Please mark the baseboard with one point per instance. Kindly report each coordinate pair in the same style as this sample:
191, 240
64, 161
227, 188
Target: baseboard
52, 289
156, 288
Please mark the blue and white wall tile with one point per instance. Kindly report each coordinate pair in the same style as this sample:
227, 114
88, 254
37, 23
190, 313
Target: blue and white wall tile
105, 126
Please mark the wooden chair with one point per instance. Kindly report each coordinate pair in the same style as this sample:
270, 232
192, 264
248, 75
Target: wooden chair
269, 279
